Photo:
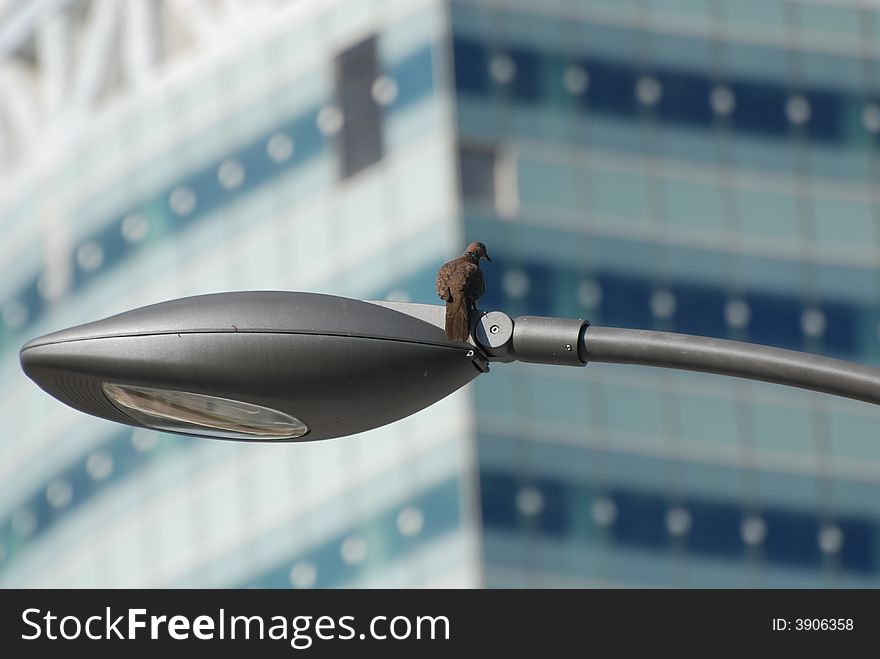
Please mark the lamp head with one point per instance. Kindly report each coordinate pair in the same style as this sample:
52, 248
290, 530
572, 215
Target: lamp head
262, 366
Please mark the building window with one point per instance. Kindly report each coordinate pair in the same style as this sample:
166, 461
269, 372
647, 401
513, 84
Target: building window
359, 139
487, 175
476, 171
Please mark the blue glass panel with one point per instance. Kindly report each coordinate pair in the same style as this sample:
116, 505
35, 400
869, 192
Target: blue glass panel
640, 519
31, 298
859, 545
791, 539
715, 529
526, 85
685, 98
553, 519
471, 66
775, 320
699, 310
110, 241
841, 330
498, 501
625, 301
792, 535
539, 297
414, 76
612, 87
826, 115
760, 107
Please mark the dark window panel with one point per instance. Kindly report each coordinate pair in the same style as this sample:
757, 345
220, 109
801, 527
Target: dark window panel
760, 108
612, 87
699, 310
640, 520
552, 520
841, 330
775, 320
357, 63
791, 538
31, 298
356, 98
476, 170
361, 145
471, 66
858, 553
539, 297
685, 98
625, 301
359, 142
715, 529
526, 85
826, 115
493, 298
498, 501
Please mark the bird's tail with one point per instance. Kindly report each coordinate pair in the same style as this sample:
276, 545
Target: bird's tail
458, 326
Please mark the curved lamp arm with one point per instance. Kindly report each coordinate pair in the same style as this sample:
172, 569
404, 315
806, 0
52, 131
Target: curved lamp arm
576, 342
736, 358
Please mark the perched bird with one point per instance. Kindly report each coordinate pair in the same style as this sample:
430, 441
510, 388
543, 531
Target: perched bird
460, 284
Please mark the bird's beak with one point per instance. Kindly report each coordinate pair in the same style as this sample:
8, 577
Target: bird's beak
487, 257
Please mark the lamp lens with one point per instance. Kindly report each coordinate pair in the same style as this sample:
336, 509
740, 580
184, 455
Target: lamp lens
198, 414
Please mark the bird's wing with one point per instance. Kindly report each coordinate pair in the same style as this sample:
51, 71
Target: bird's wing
443, 281
452, 279
475, 285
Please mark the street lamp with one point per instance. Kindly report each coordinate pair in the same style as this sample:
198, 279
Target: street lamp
284, 366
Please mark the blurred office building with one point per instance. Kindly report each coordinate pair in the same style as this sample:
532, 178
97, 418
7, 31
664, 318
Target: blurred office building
697, 166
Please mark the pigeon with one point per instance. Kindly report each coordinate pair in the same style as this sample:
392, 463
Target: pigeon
460, 284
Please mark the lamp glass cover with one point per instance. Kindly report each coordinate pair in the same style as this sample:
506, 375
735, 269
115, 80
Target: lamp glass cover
198, 414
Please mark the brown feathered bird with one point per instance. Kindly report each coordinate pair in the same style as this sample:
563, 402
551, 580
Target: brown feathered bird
460, 284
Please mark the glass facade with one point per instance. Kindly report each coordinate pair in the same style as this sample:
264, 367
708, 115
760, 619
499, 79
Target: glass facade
698, 166
704, 167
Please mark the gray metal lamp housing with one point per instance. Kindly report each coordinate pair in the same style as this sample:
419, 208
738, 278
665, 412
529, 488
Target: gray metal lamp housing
262, 366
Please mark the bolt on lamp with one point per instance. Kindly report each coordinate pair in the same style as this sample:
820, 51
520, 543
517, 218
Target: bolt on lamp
286, 366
